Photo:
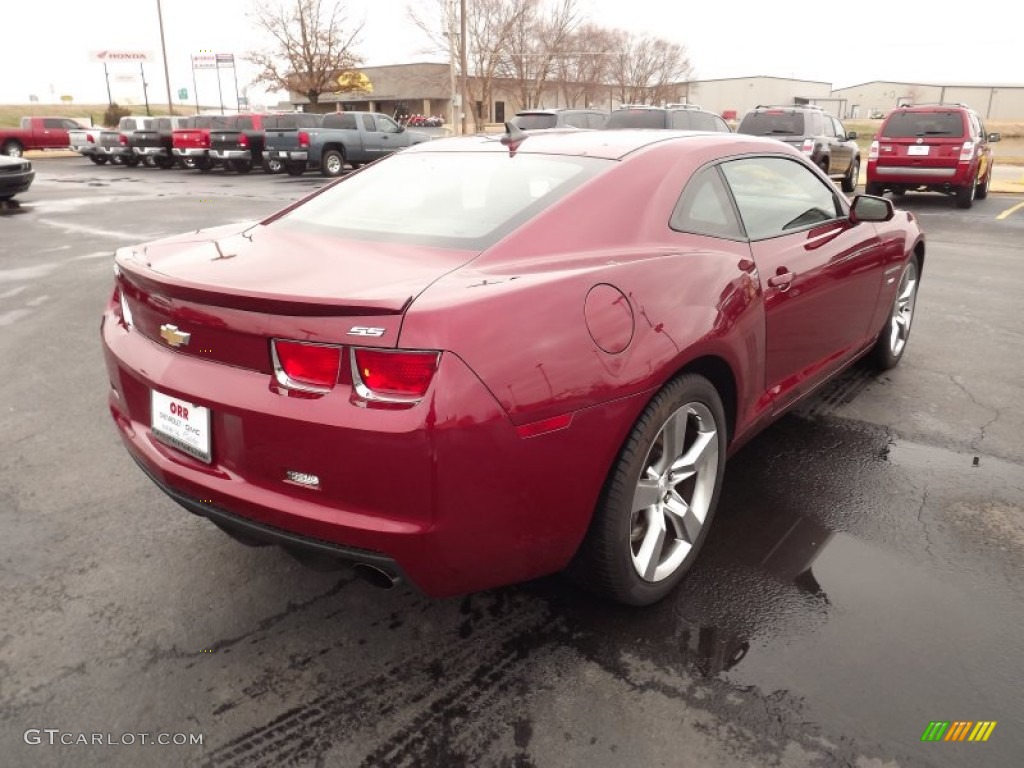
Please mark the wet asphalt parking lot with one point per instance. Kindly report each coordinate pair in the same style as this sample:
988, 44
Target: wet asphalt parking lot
864, 576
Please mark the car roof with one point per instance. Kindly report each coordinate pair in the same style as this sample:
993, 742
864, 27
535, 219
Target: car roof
553, 111
609, 145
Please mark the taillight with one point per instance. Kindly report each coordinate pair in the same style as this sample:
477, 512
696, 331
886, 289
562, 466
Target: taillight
303, 139
91, 138
807, 147
122, 139
306, 367
243, 140
967, 152
393, 375
873, 151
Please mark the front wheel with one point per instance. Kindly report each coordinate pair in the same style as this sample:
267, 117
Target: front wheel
982, 190
892, 341
13, 149
660, 497
852, 176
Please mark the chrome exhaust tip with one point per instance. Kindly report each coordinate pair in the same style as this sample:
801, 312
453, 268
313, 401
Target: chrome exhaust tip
371, 574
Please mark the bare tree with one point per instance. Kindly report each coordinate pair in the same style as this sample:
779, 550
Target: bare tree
584, 68
539, 39
313, 44
647, 70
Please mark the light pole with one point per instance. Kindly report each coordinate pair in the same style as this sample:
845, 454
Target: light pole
462, 60
163, 48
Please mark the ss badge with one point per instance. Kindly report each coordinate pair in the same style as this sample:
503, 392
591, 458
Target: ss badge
359, 330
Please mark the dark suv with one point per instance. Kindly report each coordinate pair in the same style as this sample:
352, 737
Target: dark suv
815, 132
932, 148
682, 117
543, 119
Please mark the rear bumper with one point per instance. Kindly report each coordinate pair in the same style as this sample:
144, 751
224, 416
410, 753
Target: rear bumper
280, 154
86, 149
191, 152
231, 154
150, 151
117, 151
445, 492
919, 175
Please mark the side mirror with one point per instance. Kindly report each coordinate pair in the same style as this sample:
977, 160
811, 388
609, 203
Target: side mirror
851, 135
994, 137
871, 208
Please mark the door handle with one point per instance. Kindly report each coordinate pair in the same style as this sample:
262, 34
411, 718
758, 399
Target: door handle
783, 281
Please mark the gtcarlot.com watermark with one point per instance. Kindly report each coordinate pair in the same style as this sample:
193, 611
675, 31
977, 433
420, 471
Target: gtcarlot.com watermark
56, 737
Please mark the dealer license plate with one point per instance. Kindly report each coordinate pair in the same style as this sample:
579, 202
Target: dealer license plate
918, 149
181, 424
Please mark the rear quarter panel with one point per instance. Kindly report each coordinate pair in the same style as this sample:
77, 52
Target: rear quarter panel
517, 314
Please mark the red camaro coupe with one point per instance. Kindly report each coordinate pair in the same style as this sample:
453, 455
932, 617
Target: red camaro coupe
487, 359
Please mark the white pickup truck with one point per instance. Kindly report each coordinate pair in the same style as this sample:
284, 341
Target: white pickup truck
114, 144
86, 142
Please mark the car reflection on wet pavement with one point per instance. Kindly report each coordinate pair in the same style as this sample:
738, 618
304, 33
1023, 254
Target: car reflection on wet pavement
827, 622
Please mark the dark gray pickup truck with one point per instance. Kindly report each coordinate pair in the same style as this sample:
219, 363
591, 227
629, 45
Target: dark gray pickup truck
352, 138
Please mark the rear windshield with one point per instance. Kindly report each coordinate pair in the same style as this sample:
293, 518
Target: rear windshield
535, 122
470, 200
636, 118
772, 124
291, 122
909, 125
210, 121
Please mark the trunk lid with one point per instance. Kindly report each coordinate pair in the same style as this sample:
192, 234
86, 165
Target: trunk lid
234, 289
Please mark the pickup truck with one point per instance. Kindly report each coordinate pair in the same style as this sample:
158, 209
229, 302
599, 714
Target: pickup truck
242, 147
192, 141
155, 143
114, 143
354, 138
37, 133
86, 142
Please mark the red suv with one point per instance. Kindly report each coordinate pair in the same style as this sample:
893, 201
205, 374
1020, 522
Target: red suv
932, 148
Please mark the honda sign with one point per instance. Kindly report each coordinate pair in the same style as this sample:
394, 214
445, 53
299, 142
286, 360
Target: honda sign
121, 57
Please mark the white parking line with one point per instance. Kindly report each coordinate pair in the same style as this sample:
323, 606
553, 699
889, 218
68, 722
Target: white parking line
96, 231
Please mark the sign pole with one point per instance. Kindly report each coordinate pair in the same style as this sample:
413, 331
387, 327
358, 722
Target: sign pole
234, 73
106, 74
163, 47
145, 89
220, 91
195, 88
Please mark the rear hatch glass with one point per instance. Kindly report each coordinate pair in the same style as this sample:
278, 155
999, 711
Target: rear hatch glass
535, 122
912, 125
637, 118
772, 123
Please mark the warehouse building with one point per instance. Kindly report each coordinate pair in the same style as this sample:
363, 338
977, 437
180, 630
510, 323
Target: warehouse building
874, 99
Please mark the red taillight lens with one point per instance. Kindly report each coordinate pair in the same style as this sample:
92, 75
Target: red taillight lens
243, 140
91, 138
967, 152
303, 139
807, 147
873, 151
394, 375
122, 139
306, 366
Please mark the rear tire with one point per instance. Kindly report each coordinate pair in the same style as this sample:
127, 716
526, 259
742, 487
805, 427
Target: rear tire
295, 169
852, 177
163, 163
981, 192
98, 159
873, 188
272, 166
660, 496
131, 162
965, 194
240, 166
13, 148
332, 163
892, 339
204, 164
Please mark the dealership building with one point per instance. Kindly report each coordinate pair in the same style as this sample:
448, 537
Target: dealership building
425, 88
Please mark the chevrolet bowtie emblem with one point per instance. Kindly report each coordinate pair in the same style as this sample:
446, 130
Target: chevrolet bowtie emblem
173, 336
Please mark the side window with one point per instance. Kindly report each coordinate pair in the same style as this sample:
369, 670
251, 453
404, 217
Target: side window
975, 125
840, 130
71, 125
244, 124
340, 120
702, 121
53, 122
681, 121
814, 122
387, 125
777, 196
596, 120
577, 120
368, 123
721, 126
828, 127
704, 208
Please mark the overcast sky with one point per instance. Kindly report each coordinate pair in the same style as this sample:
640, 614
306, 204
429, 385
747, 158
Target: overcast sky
838, 43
